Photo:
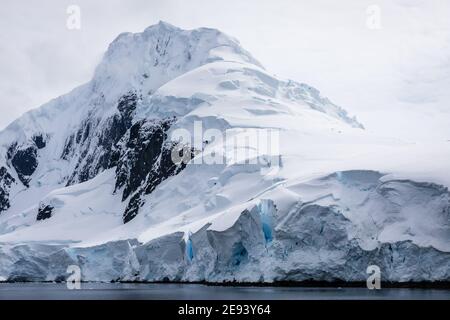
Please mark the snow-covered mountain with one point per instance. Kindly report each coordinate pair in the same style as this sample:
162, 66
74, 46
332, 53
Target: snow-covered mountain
89, 179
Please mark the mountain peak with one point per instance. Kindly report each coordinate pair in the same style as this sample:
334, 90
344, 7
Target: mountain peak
162, 25
161, 53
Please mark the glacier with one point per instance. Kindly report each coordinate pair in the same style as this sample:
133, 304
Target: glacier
89, 180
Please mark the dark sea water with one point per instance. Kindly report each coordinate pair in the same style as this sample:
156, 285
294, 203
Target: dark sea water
14, 291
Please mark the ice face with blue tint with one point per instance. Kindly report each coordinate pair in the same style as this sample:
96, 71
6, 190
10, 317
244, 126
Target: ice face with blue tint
266, 210
239, 254
189, 250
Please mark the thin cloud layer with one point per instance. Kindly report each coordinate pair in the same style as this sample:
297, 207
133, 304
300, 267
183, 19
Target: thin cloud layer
395, 78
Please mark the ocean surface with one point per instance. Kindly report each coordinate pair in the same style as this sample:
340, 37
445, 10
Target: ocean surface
100, 291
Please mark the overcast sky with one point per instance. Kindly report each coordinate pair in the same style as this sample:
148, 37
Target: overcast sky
393, 75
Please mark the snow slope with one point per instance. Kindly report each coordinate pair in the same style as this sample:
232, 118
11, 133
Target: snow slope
88, 178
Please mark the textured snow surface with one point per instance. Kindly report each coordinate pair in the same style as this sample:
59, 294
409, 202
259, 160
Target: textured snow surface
73, 171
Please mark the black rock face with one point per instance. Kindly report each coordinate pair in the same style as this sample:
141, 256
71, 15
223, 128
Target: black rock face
127, 105
39, 141
145, 162
45, 212
6, 180
141, 153
132, 210
95, 143
68, 148
24, 162
162, 169
24, 158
